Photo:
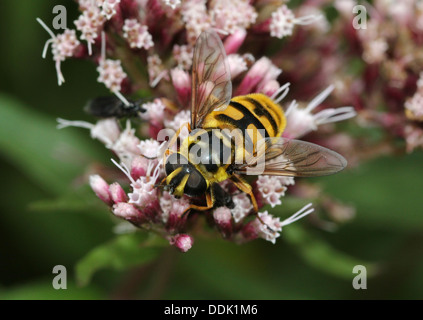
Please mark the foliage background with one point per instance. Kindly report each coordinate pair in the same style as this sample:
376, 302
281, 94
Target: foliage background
40, 164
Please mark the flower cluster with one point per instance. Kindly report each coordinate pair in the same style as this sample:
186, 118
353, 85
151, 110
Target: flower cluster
391, 47
111, 74
283, 22
149, 45
63, 46
372, 54
137, 35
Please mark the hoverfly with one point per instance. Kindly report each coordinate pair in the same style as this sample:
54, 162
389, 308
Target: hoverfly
255, 117
112, 106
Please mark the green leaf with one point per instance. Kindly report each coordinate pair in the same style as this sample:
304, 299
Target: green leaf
79, 200
386, 192
322, 255
43, 290
124, 251
31, 142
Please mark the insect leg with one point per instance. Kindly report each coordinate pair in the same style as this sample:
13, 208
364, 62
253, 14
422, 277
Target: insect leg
201, 208
244, 186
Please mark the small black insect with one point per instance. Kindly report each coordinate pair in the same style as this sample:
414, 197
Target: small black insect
112, 106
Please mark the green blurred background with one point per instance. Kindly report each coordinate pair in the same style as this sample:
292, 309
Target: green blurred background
40, 164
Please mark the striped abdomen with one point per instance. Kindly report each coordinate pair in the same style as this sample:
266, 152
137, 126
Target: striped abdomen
254, 111
255, 116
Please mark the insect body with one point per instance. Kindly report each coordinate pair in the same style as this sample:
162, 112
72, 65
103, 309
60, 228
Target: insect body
111, 106
229, 138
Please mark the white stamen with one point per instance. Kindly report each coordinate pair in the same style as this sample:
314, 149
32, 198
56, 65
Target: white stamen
308, 19
46, 28
291, 107
158, 78
60, 78
52, 35
125, 170
103, 46
128, 125
156, 172
44, 54
298, 215
334, 115
284, 89
63, 123
320, 98
121, 98
149, 168
90, 48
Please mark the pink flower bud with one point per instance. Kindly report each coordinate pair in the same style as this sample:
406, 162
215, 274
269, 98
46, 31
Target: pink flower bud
139, 167
261, 72
270, 88
249, 231
183, 242
101, 189
237, 65
117, 193
223, 217
177, 216
182, 82
234, 41
129, 212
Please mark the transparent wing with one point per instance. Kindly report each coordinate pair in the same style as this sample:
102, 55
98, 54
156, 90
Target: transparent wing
295, 158
211, 79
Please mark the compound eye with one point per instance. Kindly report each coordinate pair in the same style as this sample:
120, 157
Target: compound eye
196, 184
174, 161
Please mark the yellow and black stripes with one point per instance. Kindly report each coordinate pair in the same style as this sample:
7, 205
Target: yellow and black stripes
183, 177
249, 118
211, 152
207, 154
254, 111
266, 111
